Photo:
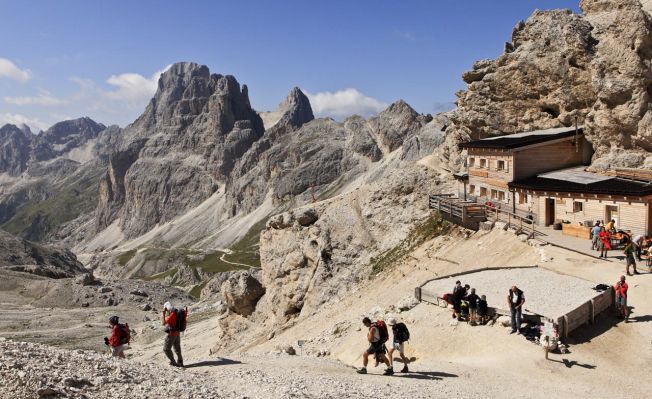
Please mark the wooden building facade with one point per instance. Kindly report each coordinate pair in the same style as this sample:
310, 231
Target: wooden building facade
542, 175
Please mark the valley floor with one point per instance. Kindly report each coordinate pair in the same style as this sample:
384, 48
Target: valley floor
607, 359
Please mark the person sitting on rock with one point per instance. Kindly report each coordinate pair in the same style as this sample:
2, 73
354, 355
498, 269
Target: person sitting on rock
376, 336
119, 337
401, 335
173, 339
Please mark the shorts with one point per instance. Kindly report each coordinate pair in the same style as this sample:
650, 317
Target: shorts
376, 348
117, 350
399, 346
621, 300
473, 311
630, 260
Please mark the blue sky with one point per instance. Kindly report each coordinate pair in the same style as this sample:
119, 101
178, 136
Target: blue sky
67, 59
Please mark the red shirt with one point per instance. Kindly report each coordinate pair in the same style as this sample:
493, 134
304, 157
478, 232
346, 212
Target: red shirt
114, 339
621, 289
171, 321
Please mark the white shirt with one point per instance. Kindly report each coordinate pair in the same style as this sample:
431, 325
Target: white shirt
376, 334
514, 297
637, 240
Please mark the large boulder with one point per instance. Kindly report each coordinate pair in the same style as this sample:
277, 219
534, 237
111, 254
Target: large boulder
241, 292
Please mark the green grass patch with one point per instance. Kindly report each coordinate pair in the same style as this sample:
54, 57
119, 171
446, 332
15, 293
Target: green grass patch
247, 250
160, 276
196, 290
35, 220
210, 263
124, 258
434, 226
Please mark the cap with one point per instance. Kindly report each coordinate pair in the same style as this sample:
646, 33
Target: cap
113, 319
168, 306
391, 321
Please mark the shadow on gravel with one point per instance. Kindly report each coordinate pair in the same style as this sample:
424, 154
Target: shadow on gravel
426, 375
210, 363
571, 363
640, 319
603, 322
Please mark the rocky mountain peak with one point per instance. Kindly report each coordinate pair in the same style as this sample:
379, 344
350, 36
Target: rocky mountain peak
401, 108
63, 137
292, 112
14, 149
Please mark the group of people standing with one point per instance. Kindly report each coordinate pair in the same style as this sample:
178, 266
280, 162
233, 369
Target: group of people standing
467, 304
633, 247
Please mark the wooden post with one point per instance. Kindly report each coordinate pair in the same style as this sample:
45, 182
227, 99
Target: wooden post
417, 293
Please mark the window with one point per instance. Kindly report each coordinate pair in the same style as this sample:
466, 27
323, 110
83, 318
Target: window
483, 163
483, 191
471, 189
501, 196
578, 206
522, 198
494, 194
500, 165
471, 162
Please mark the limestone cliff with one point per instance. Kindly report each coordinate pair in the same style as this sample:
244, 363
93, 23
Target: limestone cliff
559, 66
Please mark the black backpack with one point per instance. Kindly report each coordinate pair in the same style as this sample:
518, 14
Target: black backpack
182, 317
401, 333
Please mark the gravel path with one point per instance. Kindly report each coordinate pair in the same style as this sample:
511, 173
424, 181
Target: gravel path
546, 292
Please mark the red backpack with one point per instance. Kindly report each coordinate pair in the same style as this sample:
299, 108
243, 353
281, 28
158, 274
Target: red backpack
125, 334
382, 331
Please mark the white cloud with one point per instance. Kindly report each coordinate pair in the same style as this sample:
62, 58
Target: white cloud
16, 119
43, 98
343, 103
405, 35
133, 87
9, 70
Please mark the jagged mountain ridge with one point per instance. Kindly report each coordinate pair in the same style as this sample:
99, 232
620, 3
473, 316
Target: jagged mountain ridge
47, 178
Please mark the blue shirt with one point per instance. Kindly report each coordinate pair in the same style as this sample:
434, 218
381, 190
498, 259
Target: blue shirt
595, 231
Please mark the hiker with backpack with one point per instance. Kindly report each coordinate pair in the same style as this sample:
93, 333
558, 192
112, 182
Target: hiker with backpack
120, 337
376, 336
401, 336
174, 321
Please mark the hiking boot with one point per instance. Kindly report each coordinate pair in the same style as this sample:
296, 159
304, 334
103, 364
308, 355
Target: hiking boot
361, 371
389, 371
174, 364
180, 364
405, 369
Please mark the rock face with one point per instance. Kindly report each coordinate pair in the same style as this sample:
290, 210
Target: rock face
24, 256
63, 137
176, 154
305, 265
242, 291
14, 150
48, 177
560, 65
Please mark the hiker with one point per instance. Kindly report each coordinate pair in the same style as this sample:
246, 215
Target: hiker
611, 226
483, 309
605, 242
120, 337
376, 336
515, 300
638, 241
171, 320
595, 235
473, 299
629, 255
400, 334
621, 298
458, 295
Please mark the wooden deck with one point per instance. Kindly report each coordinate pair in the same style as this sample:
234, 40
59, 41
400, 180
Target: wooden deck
465, 213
